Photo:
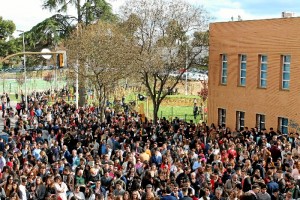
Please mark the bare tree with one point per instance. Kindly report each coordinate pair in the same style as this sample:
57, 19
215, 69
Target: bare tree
20, 78
105, 56
170, 35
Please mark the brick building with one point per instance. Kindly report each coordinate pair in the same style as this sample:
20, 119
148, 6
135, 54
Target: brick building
254, 73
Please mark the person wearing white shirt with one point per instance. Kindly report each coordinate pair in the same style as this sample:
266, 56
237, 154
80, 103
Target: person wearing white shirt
79, 195
61, 188
22, 189
295, 172
206, 195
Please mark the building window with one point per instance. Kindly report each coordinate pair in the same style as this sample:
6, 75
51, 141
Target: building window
243, 66
283, 125
224, 69
260, 121
222, 116
240, 120
263, 71
286, 60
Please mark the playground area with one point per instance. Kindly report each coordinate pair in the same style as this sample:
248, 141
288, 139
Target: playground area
11, 86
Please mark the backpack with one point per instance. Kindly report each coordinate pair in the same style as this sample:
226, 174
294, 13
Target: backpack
18, 107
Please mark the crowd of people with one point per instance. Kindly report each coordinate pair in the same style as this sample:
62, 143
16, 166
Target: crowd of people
59, 152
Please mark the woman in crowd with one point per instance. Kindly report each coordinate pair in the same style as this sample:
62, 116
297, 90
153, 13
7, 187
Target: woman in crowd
76, 144
40, 191
8, 185
88, 193
15, 191
50, 189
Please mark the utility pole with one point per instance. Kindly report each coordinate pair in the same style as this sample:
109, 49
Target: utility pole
25, 75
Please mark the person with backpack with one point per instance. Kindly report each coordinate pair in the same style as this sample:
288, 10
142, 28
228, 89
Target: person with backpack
18, 108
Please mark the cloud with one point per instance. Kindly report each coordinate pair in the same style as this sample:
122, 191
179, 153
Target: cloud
223, 10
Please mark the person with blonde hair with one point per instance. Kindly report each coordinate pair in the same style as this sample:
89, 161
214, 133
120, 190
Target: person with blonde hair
43, 157
135, 195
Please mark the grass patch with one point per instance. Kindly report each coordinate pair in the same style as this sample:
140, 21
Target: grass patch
170, 112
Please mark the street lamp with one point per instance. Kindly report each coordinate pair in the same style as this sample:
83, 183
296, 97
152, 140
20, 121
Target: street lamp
24, 64
186, 71
77, 75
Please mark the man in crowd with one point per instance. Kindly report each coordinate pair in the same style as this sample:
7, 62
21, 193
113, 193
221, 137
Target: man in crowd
172, 159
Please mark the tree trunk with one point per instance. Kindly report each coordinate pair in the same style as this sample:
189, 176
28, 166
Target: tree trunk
155, 111
102, 101
81, 101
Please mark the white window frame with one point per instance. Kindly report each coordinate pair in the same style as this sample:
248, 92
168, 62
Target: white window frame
284, 62
243, 61
262, 62
224, 75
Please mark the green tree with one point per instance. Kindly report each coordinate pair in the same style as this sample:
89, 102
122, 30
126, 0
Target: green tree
88, 11
7, 44
165, 32
47, 34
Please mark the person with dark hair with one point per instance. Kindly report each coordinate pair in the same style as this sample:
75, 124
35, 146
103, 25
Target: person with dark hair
272, 185
254, 192
77, 193
245, 181
292, 186
119, 191
263, 195
276, 195
60, 187
99, 189
88, 193
23, 192
176, 191
68, 178
8, 185
166, 194
185, 192
207, 193
248, 196
106, 180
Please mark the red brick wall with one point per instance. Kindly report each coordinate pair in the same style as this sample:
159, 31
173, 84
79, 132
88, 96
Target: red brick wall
274, 38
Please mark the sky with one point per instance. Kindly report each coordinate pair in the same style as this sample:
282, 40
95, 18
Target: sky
27, 13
